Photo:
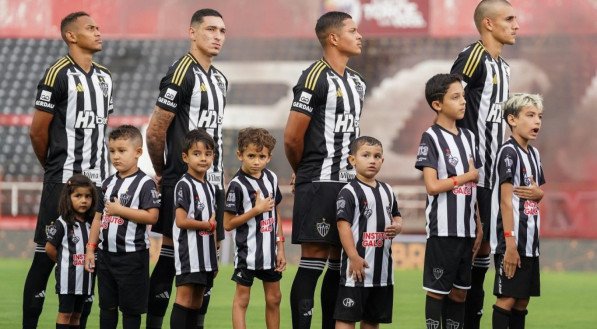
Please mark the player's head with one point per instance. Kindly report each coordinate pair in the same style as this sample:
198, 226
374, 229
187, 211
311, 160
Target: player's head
523, 113
337, 30
445, 95
255, 146
125, 145
198, 152
498, 19
366, 156
77, 199
79, 29
207, 32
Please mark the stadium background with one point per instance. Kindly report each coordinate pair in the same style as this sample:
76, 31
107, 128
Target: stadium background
269, 42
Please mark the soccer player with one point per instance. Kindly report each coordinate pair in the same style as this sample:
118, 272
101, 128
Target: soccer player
192, 95
368, 220
67, 240
515, 216
129, 202
324, 119
448, 158
486, 76
193, 230
73, 102
251, 201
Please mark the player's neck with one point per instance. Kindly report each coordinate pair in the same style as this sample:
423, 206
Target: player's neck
447, 123
129, 172
203, 59
200, 176
522, 142
82, 57
336, 60
368, 181
493, 47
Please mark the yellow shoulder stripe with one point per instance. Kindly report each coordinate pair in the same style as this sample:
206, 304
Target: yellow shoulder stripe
473, 60
102, 67
181, 70
314, 74
53, 71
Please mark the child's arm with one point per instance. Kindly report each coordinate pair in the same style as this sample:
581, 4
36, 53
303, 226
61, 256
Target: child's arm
281, 255
532, 192
232, 221
51, 251
92, 242
511, 257
185, 223
139, 216
436, 186
357, 263
395, 228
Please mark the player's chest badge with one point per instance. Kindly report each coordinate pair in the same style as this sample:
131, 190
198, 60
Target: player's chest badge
103, 85
323, 228
451, 159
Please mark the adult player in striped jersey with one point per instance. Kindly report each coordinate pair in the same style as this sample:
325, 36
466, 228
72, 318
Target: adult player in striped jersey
73, 102
67, 240
515, 216
194, 230
486, 77
250, 210
368, 220
192, 95
129, 202
448, 158
324, 119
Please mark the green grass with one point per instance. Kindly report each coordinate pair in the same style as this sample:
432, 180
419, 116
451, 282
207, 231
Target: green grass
567, 301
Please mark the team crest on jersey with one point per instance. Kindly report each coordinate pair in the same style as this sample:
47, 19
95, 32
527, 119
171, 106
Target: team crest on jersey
432, 324
125, 198
389, 210
438, 272
367, 210
358, 85
199, 205
74, 239
323, 228
451, 159
220, 83
103, 85
526, 178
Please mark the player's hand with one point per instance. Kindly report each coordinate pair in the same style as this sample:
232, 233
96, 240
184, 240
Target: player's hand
292, 180
262, 205
532, 192
357, 268
280, 261
472, 172
212, 223
511, 262
90, 261
158, 182
113, 207
394, 229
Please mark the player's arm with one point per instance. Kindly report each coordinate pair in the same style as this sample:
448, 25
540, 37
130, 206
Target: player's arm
232, 220
532, 192
139, 216
294, 137
92, 242
357, 263
39, 133
51, 251
511, 257
281, 253
156, 137
435, 186
183, 222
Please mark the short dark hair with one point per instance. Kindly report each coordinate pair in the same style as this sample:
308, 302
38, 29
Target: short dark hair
518, 101
65, 205
257, 136
363, 140
437, 87
198, 136
328, 21
199, 14
485, 8
68, 20
127, 132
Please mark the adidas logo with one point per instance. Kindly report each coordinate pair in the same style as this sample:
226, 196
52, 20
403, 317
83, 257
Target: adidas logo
42, 294
309, 313
164, 295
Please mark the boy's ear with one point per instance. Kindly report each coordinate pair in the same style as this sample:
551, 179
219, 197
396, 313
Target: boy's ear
139, 151
511, 119
184, 157
239, 155
351, 160
436, 105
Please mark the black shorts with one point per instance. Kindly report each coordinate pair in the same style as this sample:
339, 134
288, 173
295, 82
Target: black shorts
48, 210
484, 204
525, 283
372, 304
314, 213
205, 279
71, 303
448, 262
245, 277
123, 280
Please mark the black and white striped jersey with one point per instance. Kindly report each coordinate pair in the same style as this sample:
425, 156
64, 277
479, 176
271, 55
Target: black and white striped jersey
369, 210
197, 98
137, 191
334, 104
194, 251
449, 213
70, 241
518, 167
486, 82
80, 103
255, 239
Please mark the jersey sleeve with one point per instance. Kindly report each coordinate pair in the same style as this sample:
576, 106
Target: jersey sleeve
345, 207
51, 89
175, 86
182, 196
506, 165
234, 199
309, 90
467, 63
55, 234
149, 197
427, 154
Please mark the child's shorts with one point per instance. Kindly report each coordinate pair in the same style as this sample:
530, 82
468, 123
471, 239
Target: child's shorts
205, 279
448, 262
71, 303
245, 276
372, 304
525, 283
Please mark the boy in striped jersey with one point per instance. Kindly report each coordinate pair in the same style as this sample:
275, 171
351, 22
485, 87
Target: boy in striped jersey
193, 231
250, 209
129, 203
66, 246
368, 219
515, 213
448, 158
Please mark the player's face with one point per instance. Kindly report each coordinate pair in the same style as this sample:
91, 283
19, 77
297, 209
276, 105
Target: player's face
349, 40
124, 155
198, 159
453, 105
86, 33
527, 124
208, 37
505, 24
253, 160
81, 199
367, 161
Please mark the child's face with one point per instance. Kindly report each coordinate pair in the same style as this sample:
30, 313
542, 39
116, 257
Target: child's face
527, 124
198, 159
253, 161
367, 160
124, 155
453, 104
81, 199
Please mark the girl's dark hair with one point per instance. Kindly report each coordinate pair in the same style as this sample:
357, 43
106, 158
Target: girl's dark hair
198, 136
65, 206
